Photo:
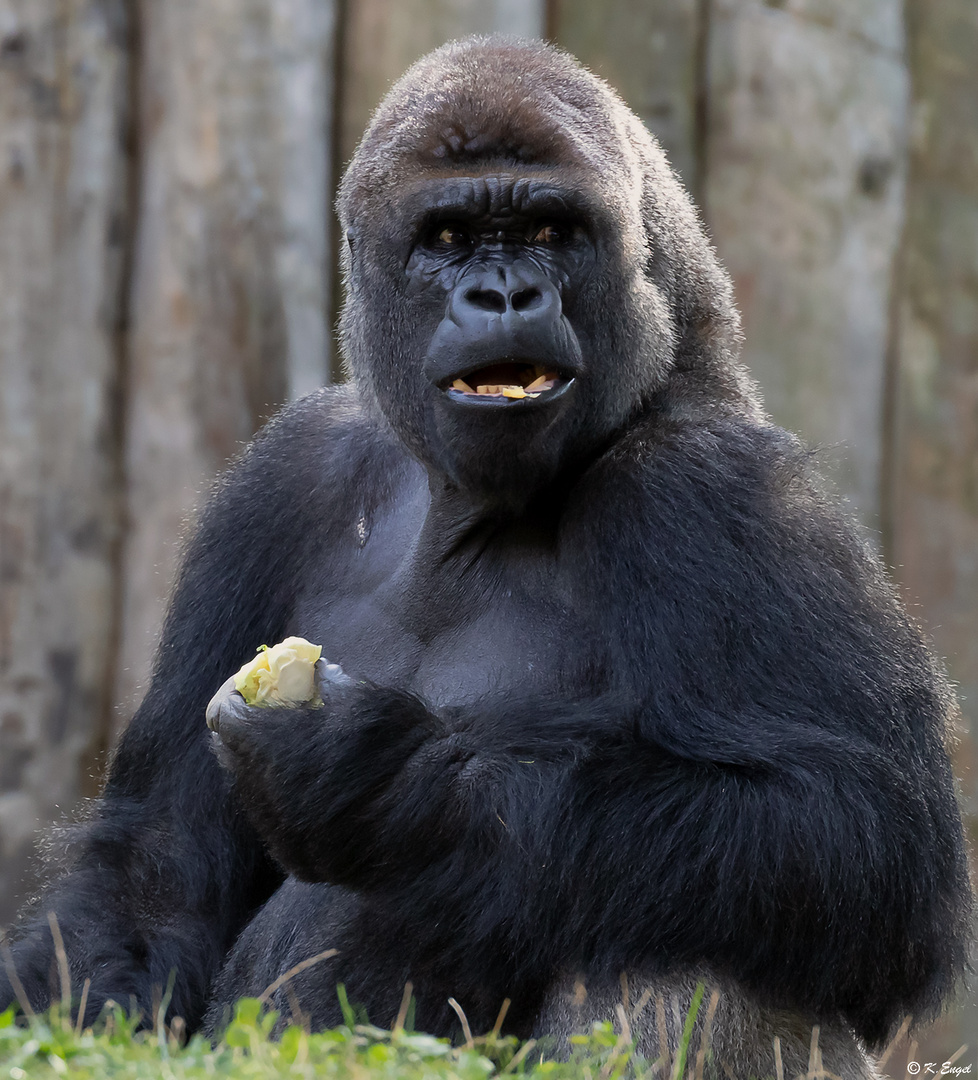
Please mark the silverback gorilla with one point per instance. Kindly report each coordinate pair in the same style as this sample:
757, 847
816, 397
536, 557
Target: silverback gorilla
613, 686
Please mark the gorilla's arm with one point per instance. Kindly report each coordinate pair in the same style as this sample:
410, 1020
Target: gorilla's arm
792, 826
807, 876
805, 868
166, 871
787, 779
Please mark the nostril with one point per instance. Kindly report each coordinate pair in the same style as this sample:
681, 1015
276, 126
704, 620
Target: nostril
486, 300
526, 298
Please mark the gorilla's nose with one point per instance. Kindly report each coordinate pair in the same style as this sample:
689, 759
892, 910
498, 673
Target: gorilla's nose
504, 290
498, 300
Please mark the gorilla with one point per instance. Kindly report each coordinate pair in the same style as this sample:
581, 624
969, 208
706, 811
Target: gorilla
614, 686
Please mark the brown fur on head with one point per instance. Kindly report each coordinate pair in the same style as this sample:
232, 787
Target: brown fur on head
654, 314
511, 103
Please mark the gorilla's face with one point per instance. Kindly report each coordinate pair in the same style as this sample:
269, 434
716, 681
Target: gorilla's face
507, 315
503, 259
519, 266
502, 266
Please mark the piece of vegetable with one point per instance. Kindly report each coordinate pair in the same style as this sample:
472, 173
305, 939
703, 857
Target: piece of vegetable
281, 675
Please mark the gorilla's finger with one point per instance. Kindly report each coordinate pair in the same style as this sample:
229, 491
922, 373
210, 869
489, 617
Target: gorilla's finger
226, 708
330, 677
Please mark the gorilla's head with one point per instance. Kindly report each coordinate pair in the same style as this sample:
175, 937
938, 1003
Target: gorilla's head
525, 275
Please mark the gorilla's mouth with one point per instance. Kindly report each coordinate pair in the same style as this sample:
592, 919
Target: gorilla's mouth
507, 381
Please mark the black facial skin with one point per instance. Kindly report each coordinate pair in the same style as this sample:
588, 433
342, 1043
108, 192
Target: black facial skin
499, 268
508, 278
618, 687
504, 261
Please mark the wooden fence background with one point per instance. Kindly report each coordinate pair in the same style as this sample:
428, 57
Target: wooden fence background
167, 281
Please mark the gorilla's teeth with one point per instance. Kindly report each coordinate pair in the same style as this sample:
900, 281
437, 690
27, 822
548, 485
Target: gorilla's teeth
546, 380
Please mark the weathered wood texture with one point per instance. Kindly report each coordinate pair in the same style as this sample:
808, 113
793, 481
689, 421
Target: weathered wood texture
804, 193
229, 305
63, 218
651, 53
933, 476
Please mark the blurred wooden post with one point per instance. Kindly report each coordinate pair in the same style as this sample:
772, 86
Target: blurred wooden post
806, 127
933, 488
64, 223
650, 52
229, 306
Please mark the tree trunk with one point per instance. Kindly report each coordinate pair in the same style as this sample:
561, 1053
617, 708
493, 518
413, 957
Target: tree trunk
933, 485
805, 138
229, 307
64, 223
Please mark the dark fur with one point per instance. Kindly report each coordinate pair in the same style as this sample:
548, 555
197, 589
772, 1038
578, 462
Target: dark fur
649, 705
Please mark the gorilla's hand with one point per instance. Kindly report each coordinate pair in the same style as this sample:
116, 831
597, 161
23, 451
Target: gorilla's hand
228, 713
235, 724
310, 777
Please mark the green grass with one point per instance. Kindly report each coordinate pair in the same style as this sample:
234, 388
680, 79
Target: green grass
47, 1046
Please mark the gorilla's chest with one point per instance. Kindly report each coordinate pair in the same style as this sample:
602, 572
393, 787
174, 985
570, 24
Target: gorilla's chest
491, 616
500, 648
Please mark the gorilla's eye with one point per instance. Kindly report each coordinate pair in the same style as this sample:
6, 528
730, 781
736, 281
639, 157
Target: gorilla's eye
552, 233
454, 236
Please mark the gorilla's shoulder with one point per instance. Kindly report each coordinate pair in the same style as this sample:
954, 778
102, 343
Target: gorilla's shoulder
321, 443
730, 517
699, 486
331, 422
726, 452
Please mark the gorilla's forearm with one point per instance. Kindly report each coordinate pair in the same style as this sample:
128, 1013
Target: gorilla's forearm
812, 879
317, 782
373, 788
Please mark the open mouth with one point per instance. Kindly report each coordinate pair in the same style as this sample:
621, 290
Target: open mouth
509, 379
